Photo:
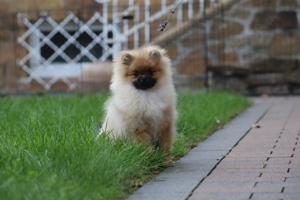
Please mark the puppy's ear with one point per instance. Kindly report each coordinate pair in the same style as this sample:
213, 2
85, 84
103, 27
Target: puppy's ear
127, 59
154, 55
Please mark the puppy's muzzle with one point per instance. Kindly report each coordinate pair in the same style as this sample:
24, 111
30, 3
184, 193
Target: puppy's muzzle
144, 82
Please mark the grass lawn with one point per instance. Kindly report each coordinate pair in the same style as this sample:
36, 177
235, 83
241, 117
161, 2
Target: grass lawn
48, 148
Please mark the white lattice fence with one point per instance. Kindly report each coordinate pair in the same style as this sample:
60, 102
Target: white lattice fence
60, 50
41, 33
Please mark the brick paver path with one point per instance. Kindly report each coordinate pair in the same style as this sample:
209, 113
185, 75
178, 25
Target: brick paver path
265, 164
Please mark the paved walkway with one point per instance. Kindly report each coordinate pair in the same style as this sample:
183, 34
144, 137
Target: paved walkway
240, 161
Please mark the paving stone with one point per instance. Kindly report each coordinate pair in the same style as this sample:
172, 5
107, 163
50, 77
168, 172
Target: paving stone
167, 195
233, 177
295, 160
274, 196
261, 159
293, 179
196, 154
170, 175
179, 181
192, 166
285, 187
225, 187
270, 178
260, 170
175, 185
253, 154
293, 189
252, 164
276, 175
279, 161
284, 166
242, 177
241, 148
271, 188
220, 196
264, 155
263, 164
258, 144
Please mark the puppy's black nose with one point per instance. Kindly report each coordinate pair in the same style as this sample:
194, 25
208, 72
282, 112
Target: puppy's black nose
143, 78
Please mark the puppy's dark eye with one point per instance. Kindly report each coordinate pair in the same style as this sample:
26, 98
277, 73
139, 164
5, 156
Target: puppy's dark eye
135, 74
150, 72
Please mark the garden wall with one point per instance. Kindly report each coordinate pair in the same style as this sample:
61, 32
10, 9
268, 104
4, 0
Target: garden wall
14, 78
254, 47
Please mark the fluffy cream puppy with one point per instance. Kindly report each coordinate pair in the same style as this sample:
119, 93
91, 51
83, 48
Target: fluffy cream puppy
142, 105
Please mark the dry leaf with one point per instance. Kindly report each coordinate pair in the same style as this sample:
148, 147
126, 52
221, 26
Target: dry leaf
256, 126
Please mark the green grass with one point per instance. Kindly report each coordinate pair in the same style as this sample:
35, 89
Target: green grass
48, 148
200, 114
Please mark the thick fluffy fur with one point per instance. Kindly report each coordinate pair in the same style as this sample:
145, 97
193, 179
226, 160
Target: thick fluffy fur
143, 101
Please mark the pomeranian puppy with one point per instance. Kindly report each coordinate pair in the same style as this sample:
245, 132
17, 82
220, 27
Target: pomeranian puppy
142, 105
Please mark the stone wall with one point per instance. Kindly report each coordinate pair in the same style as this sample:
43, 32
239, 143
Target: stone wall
269, 45
255, 43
